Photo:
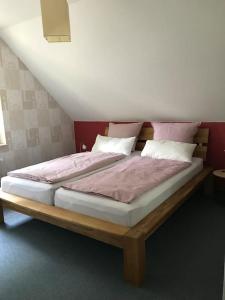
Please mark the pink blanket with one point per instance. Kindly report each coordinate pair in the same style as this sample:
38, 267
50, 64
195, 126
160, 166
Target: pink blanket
66, 167
129, 179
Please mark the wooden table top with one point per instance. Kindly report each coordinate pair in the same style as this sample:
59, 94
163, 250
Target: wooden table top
219, 173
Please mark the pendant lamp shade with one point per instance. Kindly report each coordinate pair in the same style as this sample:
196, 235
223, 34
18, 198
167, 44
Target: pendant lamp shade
55, 19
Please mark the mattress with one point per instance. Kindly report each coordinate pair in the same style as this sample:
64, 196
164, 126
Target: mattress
121, 213
40, 191
33, 190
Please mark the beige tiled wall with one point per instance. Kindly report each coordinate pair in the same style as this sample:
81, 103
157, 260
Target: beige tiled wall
37, 129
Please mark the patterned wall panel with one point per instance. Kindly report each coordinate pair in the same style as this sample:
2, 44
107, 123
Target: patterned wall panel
37, 129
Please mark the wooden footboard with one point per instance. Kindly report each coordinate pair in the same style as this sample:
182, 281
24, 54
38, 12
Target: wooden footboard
91, 227
131, 240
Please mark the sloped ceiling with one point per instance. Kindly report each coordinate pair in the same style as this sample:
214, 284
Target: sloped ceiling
10, 14
13, 12
129, 59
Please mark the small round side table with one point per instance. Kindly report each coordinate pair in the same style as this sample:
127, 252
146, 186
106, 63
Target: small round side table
219, 173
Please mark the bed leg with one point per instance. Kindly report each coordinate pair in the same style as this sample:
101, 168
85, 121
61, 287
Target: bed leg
134, 259
1, 213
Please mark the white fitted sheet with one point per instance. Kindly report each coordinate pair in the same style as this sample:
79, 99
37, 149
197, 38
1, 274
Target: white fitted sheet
121, 213
40, 191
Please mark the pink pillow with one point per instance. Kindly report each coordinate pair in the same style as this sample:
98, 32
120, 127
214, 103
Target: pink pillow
178, 132
125, 130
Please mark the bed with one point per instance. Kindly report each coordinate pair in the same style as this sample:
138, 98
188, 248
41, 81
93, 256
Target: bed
130, 239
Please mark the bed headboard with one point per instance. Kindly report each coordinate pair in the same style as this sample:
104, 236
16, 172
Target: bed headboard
201, 139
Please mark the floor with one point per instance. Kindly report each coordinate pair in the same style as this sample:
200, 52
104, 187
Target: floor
185, 259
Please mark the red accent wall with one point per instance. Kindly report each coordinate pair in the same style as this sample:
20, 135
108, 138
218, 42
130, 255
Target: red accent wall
85, 133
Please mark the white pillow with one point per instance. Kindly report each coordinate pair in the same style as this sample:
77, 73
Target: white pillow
165, 149
113, 145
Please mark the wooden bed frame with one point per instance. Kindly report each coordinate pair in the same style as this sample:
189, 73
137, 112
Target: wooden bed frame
131, 240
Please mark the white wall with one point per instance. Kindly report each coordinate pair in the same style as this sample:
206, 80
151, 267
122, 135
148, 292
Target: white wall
133, 59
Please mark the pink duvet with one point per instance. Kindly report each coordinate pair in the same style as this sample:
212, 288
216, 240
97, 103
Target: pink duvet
129, 179
66, 167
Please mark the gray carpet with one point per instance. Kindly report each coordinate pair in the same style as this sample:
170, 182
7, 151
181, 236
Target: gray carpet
224, 284
185, 260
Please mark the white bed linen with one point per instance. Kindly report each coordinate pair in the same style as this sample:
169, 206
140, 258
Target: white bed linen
40, 191
122, 213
